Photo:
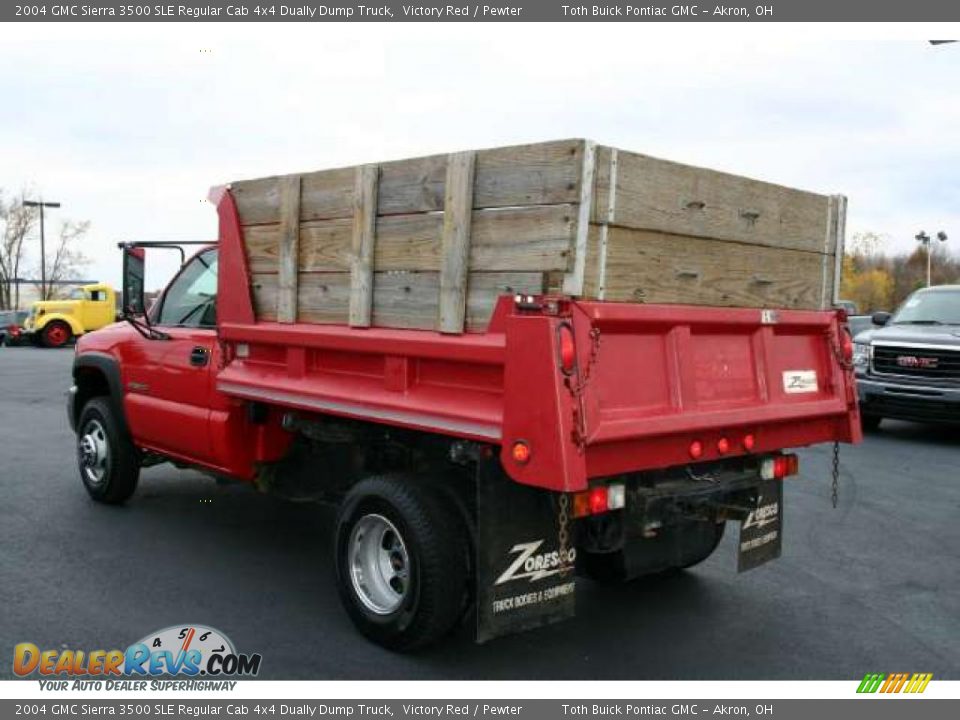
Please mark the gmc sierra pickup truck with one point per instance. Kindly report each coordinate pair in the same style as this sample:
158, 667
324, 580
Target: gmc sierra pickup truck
484, 443
908, 367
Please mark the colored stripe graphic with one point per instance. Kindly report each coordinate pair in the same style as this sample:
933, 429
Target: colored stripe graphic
894, 683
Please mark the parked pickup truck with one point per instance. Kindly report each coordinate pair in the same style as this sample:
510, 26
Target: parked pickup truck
908, 365
482, 469
53, 323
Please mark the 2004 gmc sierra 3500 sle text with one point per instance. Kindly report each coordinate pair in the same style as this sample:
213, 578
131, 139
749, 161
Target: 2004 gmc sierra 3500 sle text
507, 367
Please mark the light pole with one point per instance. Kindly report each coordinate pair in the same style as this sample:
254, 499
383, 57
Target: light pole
43, 250
924, 240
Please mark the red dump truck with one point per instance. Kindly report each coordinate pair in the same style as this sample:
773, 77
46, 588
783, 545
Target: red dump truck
487, 450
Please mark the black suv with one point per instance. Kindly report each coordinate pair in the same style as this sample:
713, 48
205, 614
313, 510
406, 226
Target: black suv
909, 366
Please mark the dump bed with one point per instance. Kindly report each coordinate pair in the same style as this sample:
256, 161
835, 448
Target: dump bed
333, 287
432, 242
650, 385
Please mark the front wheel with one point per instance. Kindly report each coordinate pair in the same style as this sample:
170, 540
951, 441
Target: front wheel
56, 334
870, 423
108, 461
401, 560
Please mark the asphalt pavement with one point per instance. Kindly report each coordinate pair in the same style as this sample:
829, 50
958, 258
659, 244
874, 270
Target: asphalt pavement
871, 586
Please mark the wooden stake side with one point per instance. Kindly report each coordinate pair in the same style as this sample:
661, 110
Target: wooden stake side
839, 245
455, 257
573, 283
362, 245
608, 219
289, 254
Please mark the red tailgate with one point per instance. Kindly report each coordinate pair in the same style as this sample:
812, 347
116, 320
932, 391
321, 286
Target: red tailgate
661, 385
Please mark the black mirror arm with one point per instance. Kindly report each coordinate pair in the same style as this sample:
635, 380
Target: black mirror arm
147, 330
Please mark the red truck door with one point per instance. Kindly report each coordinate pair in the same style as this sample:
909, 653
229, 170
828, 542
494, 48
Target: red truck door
168, 382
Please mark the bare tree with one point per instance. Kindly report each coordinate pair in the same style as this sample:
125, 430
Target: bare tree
66, 260
17, 222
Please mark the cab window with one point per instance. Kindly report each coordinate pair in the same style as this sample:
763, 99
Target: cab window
191, 299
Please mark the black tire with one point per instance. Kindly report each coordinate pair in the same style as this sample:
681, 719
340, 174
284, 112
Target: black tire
428, 600
99, 436
56, 334
612, 568
870, 423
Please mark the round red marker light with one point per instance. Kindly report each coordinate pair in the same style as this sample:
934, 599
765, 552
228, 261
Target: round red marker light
696, 449
723, 446
749, 442
521, 452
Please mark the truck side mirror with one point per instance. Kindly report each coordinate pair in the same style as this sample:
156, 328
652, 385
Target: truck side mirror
880, 318
133, 274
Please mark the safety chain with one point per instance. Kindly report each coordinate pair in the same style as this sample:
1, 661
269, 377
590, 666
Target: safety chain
578, 388
591, 361
835, 490
563, 534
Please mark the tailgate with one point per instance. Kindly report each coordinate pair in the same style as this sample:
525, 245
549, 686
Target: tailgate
664, 385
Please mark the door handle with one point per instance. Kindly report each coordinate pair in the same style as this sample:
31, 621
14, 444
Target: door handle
199, 356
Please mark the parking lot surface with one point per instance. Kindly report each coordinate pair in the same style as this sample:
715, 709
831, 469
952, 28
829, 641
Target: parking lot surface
871, 586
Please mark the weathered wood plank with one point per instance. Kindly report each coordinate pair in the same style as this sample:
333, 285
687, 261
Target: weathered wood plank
573, 284
362, 244
537, 174
536, 238
487, 287
401, 299
680, 199
289, 251
652, 267
840, 243
455, 253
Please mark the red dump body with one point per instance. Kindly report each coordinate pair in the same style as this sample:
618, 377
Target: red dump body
652, 386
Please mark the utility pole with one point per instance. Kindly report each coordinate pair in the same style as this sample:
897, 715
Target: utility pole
43, 250
924, 240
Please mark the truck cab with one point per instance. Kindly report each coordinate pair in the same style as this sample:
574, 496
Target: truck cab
53, 323
908, 364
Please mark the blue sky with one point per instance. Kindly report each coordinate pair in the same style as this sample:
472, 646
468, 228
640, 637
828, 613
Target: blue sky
129, 125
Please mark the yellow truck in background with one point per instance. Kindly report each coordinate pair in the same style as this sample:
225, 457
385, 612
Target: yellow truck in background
53, 323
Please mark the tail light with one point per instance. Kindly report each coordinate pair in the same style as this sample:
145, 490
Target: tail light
749, 442
600, 499
846, 346
723, 446
779, 467
567, 349
696, 449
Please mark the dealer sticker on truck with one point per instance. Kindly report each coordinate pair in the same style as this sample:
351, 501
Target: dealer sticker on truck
799, 381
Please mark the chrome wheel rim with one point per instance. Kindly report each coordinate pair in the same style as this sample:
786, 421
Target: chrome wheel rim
379, 564
94, 451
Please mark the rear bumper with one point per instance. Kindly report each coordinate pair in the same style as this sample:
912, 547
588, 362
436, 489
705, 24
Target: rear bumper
919, 403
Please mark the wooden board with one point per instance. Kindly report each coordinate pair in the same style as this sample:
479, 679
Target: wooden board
653, 194
401, 299
652, 267
539, 174
537, 238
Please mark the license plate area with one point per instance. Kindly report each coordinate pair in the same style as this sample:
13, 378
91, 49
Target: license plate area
761, 532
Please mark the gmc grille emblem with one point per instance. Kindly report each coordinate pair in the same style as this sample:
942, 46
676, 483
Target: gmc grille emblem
912, 361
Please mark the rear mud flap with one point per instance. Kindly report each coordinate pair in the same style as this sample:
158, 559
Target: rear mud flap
761, 532
523, 579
